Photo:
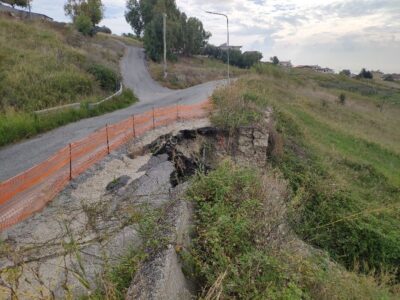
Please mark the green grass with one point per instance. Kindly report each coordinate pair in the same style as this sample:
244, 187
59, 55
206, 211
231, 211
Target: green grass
15, 126
38, 69
43, 65
342, 161
232, 256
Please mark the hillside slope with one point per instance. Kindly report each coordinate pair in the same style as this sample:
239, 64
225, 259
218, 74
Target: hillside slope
190, 71
46, 64
337, 144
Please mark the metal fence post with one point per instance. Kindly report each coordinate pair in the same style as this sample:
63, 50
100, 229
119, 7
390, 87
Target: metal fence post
133, 126
108, 142
154, 122
70, 162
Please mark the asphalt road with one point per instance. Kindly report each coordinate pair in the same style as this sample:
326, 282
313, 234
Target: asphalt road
19, 157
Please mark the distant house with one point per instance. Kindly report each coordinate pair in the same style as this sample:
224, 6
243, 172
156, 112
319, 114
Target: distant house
285, 64
22, 13
225, 47
326, 70
316, 68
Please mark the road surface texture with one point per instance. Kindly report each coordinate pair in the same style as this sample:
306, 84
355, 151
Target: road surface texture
19, 157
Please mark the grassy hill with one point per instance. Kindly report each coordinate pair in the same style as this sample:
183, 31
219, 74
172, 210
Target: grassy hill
190, 71
45, 64
341, 160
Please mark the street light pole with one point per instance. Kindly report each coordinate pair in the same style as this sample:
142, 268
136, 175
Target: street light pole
227, 33
165, 43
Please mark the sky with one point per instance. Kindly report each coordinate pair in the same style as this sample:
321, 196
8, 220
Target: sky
340, 34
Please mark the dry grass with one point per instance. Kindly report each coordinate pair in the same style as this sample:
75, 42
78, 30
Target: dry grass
191, 71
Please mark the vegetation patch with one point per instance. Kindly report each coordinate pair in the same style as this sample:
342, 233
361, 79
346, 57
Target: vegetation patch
44, 65
340, 161
234, 256
15, 126
190, 71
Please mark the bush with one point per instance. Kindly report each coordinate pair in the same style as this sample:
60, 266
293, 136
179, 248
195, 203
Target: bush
342, 98
366, 74
108, 79
84, 25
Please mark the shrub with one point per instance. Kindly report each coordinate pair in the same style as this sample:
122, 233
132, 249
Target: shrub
342, 98
84, 25
107, 78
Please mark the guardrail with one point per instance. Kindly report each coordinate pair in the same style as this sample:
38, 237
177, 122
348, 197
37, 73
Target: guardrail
30, 191
78, 104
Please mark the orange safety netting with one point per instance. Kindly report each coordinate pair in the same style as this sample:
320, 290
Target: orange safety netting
30, 191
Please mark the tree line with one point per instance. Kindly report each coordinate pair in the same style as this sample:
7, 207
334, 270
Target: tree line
185, 35
236, 57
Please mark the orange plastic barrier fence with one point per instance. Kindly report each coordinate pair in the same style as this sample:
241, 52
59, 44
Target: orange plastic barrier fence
30, 191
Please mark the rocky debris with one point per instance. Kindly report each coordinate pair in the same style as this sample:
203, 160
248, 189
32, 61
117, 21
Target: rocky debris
161, 276
64, 249
118, 183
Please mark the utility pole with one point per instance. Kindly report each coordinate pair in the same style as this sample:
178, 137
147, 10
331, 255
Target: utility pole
227, 33
165, 43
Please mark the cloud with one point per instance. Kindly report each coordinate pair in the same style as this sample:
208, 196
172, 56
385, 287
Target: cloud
334, 33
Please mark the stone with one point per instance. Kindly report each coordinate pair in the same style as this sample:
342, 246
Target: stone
118, 183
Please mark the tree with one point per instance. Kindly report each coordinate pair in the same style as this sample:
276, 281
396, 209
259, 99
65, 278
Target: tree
83, 24
195, 37
93, 9
274, 60
345, 73
133, 16
184, 35
366, 74
250, 58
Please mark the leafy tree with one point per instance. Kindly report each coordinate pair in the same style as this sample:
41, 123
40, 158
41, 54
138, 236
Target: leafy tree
83, 24
365, 74
184, 36
152, 41
93, 9
133, 16
345, 72
195, 36
237, 58
250, 58
274, 60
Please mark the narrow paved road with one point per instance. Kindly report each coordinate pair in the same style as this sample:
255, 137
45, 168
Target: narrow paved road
19, 157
